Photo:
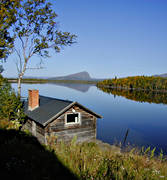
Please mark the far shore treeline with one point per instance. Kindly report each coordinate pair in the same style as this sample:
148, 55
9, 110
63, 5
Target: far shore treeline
149, 83
35, 81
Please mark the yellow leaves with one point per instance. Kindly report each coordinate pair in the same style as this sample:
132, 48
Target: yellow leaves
137, 82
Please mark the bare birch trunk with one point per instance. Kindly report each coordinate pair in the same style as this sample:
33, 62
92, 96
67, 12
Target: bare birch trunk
21, 76
19, 86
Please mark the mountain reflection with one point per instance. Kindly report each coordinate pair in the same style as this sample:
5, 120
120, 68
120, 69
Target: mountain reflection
140, 96
78, 87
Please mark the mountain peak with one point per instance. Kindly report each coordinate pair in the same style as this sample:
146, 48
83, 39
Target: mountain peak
81, 75
84, 75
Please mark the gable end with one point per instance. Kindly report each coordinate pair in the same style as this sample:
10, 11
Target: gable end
67, 108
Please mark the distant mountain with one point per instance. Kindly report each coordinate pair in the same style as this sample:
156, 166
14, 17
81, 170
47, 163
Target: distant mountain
83, 76
80, 76
161, 75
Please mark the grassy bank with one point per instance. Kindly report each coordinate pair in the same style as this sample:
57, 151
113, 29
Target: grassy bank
88, 161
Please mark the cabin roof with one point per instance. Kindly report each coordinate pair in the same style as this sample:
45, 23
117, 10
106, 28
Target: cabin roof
51, 108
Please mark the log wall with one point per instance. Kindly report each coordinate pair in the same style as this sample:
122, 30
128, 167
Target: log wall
39, 131
85, 130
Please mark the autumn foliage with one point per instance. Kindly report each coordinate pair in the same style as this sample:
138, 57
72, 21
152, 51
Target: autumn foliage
136, 82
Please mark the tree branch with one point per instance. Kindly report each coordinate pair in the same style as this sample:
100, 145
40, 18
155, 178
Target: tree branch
40, 66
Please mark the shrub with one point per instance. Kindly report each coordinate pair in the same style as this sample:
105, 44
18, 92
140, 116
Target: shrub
11, 108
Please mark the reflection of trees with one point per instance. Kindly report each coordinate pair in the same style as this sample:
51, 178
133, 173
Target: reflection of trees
141, 96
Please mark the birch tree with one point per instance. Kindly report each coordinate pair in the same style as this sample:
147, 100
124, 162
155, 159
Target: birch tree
36, 31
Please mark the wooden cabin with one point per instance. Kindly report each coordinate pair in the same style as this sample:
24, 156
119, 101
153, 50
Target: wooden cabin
65, 119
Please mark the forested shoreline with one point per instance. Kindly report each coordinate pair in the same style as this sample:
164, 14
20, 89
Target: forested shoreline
150, 83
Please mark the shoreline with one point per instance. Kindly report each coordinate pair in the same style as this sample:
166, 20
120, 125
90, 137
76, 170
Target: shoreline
43, 81
130, 89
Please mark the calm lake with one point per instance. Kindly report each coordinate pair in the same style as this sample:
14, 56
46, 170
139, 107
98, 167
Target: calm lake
147, 122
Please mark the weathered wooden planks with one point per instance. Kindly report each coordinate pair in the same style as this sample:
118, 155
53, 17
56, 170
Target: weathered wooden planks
84, 130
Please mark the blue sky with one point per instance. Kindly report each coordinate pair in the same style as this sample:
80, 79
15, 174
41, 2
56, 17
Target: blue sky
115, 38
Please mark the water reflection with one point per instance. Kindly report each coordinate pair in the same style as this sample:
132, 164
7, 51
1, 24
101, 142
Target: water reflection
140, 96
75, 86
78, 87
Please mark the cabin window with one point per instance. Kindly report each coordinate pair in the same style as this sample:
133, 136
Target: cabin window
73, 118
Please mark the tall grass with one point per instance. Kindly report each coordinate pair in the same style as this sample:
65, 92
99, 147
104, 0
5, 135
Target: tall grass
89, 162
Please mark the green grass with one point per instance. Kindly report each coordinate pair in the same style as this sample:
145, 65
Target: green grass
88, 161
